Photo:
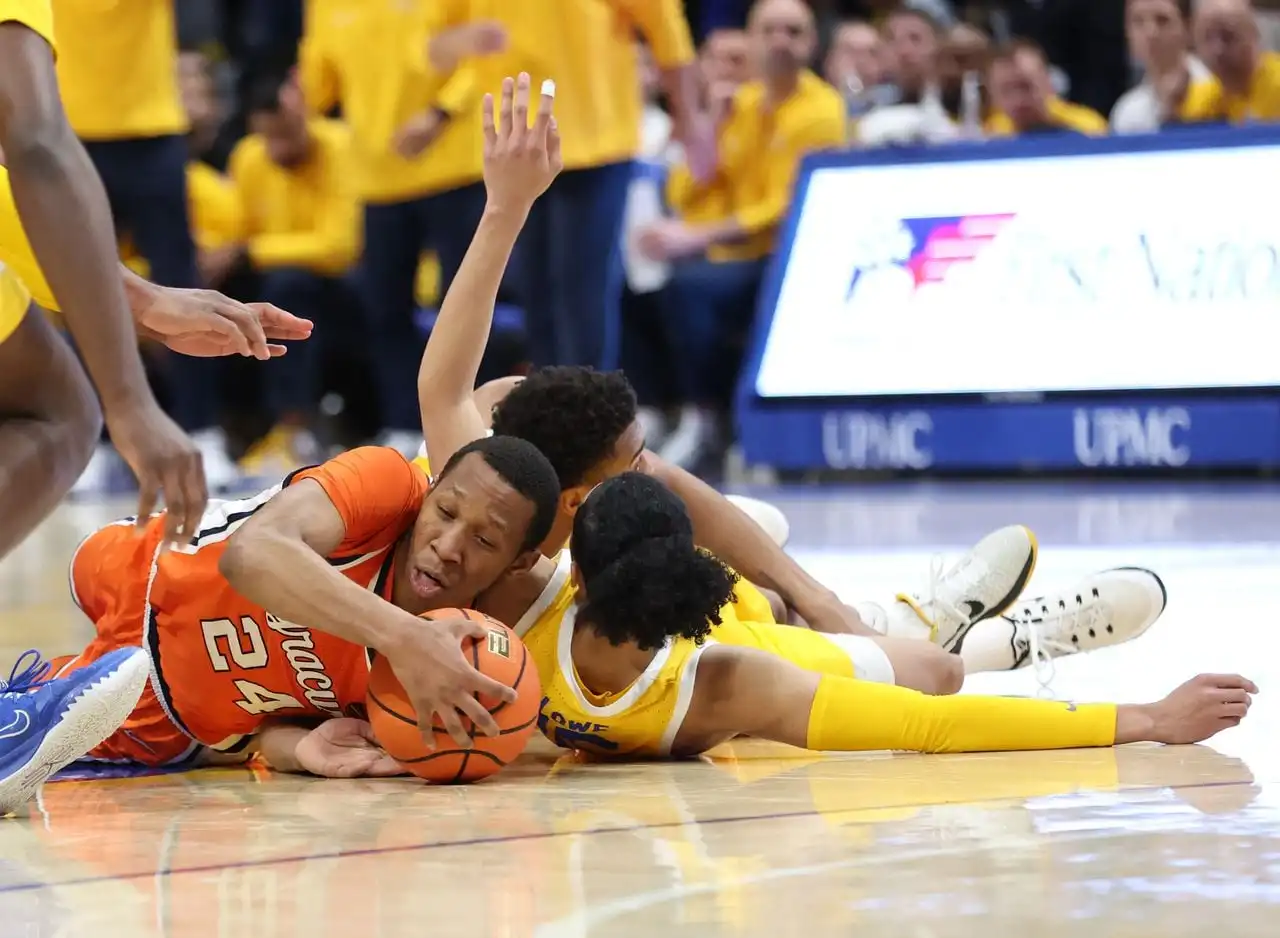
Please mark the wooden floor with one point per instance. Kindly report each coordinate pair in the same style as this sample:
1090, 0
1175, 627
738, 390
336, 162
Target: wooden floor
758, 840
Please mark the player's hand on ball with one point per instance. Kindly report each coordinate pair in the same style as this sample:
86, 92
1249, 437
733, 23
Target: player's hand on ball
520, 161
345, 748
428, 661
1203, 706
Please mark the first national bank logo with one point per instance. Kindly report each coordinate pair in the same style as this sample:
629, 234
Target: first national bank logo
893, 260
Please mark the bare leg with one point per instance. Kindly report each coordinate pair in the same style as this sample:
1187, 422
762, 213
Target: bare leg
49, 424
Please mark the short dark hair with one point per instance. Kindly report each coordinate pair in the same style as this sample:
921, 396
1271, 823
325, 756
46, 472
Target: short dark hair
906, 8
1008, 51
575, 415
263, 95
523, 468
644, 579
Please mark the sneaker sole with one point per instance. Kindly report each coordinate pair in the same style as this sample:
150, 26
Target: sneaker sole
94, 715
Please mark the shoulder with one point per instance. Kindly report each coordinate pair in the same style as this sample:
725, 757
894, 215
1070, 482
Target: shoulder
36, 15
379, 472
251, 150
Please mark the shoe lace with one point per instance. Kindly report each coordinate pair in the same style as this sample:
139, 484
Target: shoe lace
936, 603
1038, 617
30, 677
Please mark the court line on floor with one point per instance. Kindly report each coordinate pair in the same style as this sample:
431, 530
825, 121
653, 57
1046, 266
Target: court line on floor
527, 838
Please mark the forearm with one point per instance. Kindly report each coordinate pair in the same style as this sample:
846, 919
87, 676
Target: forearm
683, 89
278, 746
285, 575
725, 530
65, 214
856, 716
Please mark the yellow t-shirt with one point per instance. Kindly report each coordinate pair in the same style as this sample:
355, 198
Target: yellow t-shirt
645, 718
35, 14
370, 57
1207, 100
306, 216
1062, 113
118, 68
760, 153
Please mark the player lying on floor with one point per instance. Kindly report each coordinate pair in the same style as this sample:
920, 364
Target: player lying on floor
641, 668
269, 613
585, 423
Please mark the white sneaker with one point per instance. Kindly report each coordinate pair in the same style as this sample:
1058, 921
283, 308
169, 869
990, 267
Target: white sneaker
220, 473
1104, 609
770, 517
983, 583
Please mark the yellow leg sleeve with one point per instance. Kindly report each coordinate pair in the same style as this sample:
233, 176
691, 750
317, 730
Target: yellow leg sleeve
850, 716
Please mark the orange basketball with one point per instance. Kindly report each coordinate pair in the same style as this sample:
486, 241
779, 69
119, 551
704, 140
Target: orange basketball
501, 656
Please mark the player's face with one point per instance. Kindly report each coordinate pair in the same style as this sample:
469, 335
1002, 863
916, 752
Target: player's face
468, 534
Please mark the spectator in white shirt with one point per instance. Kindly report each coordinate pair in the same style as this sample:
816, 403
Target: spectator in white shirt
1159, 36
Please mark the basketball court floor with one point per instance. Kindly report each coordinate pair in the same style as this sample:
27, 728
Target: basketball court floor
757, 840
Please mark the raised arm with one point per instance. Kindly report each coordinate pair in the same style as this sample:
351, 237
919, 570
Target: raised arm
828, 713
520, 162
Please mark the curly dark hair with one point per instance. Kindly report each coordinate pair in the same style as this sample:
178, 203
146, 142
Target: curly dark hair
644, 579
523, 468
574, 415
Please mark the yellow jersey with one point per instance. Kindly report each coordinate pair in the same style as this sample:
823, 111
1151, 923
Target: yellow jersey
1207, 100
15, 300
118, 70
36, 15
1062, 114
645, 718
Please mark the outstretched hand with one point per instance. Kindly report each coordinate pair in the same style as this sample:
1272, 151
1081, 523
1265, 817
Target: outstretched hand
345, 748
206, 324
520, 160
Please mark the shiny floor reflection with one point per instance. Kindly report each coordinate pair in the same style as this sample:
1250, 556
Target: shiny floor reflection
757, 840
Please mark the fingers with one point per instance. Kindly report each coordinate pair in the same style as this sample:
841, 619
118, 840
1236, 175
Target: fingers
1235, 711
385, 767
554, 160
490, 132
186, 495
504, 109
278, 323
251, 339
1225, 681
452, 723
148, 497
277, 350
479, 683
520, 117
546, 101
480, 716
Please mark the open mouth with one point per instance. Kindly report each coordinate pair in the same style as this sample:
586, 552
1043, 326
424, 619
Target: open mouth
424, 584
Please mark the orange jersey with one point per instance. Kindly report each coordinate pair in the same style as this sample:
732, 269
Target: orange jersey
220, 663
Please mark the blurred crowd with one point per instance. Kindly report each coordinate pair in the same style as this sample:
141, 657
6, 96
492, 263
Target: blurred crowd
325, 156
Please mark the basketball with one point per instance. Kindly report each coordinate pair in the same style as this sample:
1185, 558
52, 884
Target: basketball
502, 656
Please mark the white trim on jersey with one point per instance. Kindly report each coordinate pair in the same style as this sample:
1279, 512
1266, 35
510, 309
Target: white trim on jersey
548, 595
684, 697
564, 654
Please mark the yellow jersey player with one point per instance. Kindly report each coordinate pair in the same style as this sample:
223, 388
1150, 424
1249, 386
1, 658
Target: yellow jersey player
638, 665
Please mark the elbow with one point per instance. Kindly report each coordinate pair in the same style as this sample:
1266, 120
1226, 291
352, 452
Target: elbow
237, 559
37, 146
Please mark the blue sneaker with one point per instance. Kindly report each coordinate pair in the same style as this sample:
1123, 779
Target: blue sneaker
47, 724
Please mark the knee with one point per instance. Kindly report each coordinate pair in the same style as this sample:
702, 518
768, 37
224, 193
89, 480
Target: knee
942, 671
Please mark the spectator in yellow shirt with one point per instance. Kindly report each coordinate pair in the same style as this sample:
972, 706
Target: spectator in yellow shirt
292, 175
1022, 97
1245, 81
569, 258
773, 123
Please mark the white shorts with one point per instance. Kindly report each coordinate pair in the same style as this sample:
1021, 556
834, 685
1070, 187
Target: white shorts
870, 663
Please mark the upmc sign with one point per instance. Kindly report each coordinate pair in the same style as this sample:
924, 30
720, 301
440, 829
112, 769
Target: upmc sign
1001, 305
